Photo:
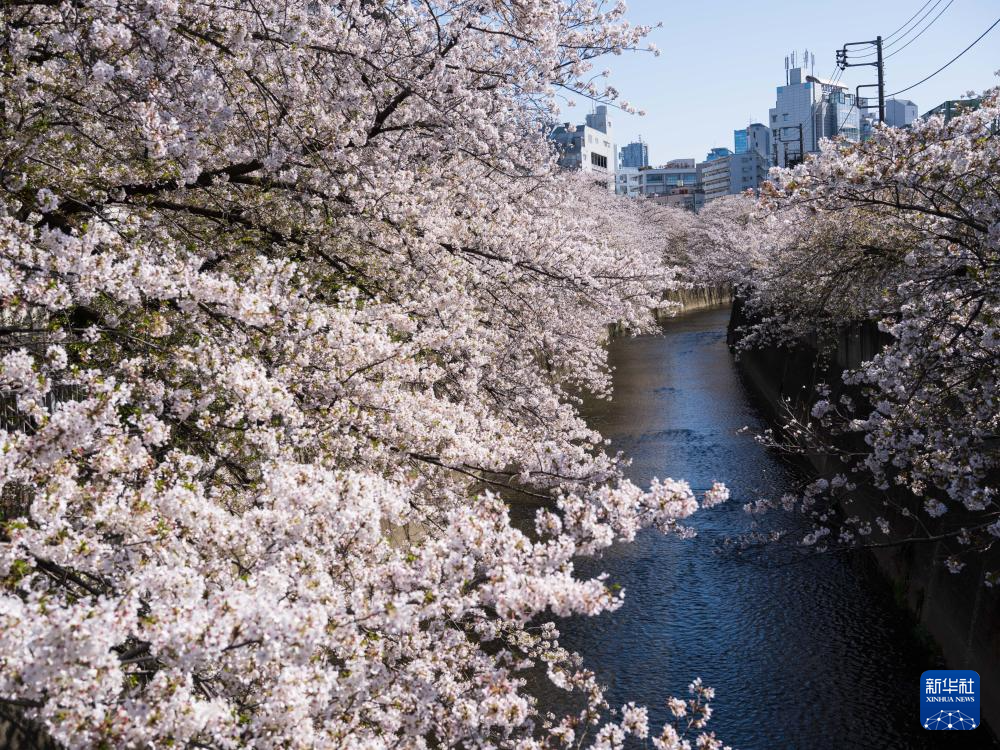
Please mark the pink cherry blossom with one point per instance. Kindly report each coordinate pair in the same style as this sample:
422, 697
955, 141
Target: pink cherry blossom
293, 295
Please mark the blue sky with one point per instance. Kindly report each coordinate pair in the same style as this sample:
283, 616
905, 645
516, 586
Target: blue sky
721, 60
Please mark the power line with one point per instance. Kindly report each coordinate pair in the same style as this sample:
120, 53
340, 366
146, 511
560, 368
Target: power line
908, 22
922, 31
916, 25
892, 44
909, 31
924, 80
881, 46
890, 36
834, 76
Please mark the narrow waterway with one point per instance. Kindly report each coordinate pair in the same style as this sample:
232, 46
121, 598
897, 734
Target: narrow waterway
806, 655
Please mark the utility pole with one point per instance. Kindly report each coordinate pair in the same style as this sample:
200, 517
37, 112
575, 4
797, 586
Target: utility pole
879, 65
881, 81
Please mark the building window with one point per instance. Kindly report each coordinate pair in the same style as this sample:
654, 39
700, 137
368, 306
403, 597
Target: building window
598, 160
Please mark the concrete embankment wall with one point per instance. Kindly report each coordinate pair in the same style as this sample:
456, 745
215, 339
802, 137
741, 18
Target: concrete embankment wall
958, 611
698, 298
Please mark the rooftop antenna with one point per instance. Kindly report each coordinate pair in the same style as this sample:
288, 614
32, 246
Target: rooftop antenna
786, 70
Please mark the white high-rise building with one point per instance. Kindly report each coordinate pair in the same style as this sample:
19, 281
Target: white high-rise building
807, 110
715, 177
589, 147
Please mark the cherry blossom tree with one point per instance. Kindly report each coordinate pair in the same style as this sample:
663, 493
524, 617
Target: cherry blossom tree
903, 230
291, 293
723, 244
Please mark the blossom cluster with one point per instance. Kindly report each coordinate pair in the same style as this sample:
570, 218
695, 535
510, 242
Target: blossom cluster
902, 230
292, 298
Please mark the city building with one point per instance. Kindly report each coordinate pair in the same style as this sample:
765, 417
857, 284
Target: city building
634, 155
589, 147
754, 137
868, 120
649, 181
740, 141
733, 174
627, 182
747, 171
673, 184
713, 175
719, 152
899, 113
806, 111
759, 139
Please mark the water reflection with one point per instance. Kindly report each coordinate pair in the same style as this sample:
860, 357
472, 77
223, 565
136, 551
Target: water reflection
811, 655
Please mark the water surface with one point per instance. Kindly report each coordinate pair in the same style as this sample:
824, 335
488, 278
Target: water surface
804, 655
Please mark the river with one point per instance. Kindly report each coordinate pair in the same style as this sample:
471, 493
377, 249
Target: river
805, 653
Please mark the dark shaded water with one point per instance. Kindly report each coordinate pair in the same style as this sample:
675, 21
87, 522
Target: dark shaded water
809, 655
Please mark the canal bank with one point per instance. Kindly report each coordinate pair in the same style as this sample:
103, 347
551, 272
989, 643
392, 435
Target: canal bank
959, 613
694, 299
807, 653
